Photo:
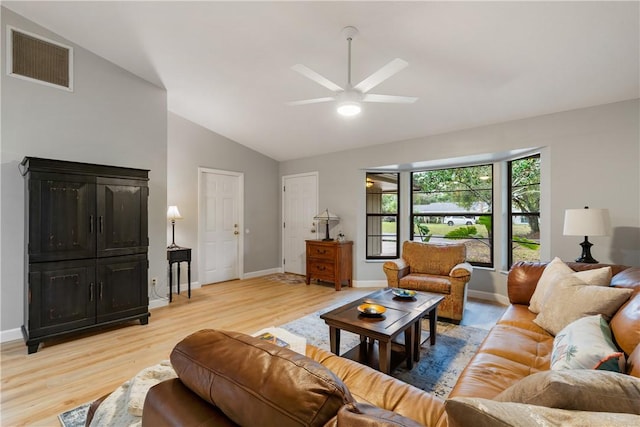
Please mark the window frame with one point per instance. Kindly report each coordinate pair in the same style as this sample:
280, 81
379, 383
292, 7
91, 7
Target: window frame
511, 214
369, 215
491, 235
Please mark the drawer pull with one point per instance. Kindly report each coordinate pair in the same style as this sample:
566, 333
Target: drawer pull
323, 251
322, 268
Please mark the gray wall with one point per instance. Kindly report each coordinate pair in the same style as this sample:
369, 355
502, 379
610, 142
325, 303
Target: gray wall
590, 157
112, 117
192, 146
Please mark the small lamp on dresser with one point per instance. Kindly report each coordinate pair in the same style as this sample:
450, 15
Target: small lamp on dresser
173, 213
326, 216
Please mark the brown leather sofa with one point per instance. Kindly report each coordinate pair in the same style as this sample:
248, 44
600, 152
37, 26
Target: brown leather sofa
517, 347
433, 267
229, 373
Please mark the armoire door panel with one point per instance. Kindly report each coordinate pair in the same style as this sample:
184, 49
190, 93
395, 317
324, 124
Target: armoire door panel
63, 296
119, 290
62, 224
122, 216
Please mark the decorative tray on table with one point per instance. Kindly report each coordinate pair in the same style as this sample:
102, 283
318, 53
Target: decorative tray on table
373, 310
403, 293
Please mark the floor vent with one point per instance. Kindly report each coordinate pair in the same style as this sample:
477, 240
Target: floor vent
37, 59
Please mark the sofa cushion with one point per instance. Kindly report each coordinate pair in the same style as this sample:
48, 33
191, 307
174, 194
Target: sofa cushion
572, 299
518, 315
370, 386
507, 355
464, 412
586, 344
580, 389
250, 379
426, 283
433, 258
555, 271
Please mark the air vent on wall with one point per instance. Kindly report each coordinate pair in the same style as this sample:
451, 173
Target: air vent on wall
37, 59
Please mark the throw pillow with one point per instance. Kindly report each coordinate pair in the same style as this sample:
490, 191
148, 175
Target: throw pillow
572, 299
555, 271
579, 390
143, 381
234, 372
476, 412
586, 344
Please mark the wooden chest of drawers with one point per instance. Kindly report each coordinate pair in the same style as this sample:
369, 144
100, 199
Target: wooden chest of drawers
330, 261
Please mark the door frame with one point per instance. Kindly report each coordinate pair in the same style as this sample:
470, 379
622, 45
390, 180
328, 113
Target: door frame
240, 257
283, 209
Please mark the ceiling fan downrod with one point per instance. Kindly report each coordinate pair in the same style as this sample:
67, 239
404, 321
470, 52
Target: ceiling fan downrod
349, 32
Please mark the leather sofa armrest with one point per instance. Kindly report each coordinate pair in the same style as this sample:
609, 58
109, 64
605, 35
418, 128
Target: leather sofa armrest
522, 281
461, 270
395, 270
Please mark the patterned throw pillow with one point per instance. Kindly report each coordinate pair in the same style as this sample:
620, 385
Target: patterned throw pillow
586, 344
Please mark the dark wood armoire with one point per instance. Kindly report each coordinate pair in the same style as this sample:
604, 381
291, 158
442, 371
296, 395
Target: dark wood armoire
86, 247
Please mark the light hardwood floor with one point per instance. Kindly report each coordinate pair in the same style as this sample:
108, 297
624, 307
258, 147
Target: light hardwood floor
67, 373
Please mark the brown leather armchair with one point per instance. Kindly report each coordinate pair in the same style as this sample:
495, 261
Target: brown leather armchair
433, 267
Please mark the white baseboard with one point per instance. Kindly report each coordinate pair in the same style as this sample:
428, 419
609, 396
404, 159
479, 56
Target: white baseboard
488, 296
158, 302
11, 335
369, 283
255, 274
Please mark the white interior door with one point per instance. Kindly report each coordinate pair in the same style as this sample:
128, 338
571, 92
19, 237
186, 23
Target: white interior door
300, 205
220, 236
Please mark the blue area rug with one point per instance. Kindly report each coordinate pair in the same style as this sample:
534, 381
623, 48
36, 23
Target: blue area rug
439, 366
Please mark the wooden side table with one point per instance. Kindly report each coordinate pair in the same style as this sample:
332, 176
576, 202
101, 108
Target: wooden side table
176, 256
329, 260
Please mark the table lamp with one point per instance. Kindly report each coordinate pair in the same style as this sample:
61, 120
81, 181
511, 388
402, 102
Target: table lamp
586, 222
173, 213
326, 216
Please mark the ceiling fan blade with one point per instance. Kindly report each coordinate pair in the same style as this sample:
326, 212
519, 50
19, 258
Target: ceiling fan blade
310, 74
389, 98
311, 101
381, 75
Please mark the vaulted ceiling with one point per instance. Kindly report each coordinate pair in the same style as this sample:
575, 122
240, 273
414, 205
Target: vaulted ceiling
227, 65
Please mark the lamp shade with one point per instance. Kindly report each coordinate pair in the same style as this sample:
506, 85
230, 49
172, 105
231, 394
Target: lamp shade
586, 222
326, 216
173, 213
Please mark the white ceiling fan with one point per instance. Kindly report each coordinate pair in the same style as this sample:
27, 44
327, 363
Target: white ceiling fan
349, 99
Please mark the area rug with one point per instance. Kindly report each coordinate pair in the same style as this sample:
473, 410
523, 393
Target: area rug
75, 417
439, 366
288, 278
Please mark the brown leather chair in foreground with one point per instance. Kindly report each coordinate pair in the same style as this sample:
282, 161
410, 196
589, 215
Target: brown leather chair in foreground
432, 267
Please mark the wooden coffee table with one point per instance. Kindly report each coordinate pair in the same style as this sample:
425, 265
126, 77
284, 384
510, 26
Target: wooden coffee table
401, 323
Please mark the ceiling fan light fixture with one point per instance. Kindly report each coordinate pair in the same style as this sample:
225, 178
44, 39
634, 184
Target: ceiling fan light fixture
349, 108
